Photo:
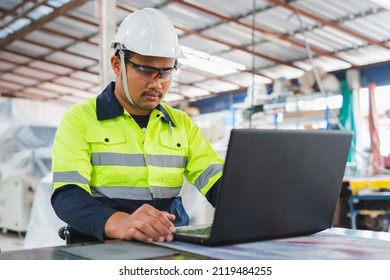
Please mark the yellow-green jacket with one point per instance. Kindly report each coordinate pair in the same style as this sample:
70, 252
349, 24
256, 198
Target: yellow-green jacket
101, 149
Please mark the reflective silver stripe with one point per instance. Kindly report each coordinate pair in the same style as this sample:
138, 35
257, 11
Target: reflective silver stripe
118, 159
135, 193
165, 192
69, 176
167, 160
138, 160
207, 174
122, 192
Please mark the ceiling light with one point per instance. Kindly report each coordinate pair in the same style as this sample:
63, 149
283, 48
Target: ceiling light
209, 63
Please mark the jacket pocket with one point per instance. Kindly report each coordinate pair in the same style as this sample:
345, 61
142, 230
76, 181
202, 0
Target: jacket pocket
107, 156
174, 145
174, 152
105, 137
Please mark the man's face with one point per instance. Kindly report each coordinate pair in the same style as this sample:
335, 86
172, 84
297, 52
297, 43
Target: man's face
147, 85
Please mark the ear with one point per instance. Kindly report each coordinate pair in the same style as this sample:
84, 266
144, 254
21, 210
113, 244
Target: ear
116, 64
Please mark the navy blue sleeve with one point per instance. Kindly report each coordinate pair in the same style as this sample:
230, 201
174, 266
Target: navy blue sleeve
211, 195
80, 210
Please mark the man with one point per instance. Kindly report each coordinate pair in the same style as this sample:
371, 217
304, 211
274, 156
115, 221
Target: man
119, 159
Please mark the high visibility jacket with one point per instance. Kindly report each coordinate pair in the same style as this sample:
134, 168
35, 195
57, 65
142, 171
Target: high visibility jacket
100, 148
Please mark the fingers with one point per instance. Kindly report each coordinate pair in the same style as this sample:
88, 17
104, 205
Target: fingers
146, 224
170, 216
147, 232
154, 223
139, 236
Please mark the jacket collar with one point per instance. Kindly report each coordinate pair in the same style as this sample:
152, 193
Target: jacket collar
108, 107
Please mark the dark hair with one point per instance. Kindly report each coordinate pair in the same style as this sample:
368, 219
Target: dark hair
128, 54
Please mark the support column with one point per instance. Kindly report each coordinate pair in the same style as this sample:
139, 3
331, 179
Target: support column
107, 30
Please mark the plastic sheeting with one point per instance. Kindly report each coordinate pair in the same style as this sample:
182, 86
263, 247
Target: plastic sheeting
26, 139
25, 156
25, 151
42, 230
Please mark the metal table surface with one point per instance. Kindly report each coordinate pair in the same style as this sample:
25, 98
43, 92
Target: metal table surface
331, 244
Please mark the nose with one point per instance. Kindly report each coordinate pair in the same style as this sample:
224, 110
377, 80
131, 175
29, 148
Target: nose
156, 84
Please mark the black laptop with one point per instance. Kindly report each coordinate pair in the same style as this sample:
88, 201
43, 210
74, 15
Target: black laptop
275, 184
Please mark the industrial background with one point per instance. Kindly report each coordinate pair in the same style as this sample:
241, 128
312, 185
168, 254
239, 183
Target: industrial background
301, 64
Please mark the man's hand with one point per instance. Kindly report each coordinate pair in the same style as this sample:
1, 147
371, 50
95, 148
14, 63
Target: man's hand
146, 224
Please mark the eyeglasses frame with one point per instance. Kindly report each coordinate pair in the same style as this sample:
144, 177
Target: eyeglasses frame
159, 70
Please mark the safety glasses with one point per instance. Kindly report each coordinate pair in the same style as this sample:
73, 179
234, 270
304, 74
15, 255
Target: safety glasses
151, 74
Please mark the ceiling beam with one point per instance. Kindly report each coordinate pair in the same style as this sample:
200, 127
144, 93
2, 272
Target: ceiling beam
33, 68
22, 14
76, 39
326, 22
29, 94
61, 49
12, 11
39, 81
129, 9
39, 23
42, 58
277, 37
232, 46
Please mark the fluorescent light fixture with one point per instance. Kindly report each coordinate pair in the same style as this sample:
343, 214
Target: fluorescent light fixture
209, 63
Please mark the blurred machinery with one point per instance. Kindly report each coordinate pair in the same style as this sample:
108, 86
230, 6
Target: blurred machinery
15, 203
370, 212
24, 159
369, 203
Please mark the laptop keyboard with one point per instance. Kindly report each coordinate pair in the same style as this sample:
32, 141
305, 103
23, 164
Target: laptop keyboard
201, 231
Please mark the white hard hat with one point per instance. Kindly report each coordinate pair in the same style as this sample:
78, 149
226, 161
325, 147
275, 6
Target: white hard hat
148, 32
